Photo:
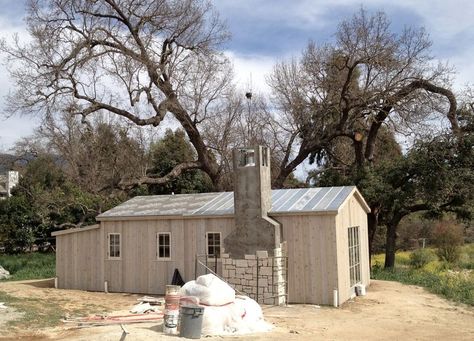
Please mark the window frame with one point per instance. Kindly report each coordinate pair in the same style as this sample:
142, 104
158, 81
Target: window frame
220, 244
109, 245
158, 234
353, 242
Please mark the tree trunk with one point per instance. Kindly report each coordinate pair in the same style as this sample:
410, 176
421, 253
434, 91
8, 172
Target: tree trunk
286, 169
391, 245
359, 154
372, 224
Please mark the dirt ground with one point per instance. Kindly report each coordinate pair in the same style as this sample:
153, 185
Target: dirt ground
390, 311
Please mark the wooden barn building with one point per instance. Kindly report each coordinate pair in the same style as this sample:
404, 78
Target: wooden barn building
137, 245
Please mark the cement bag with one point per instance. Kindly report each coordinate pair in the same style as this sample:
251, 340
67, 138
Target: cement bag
244, 316
210, 290
216, 320
223, 320
252, 317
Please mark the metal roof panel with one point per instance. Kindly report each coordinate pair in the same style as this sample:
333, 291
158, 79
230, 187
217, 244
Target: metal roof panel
215, 204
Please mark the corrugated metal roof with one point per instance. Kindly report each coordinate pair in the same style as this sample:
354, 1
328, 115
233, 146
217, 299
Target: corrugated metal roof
159, 205
322, 199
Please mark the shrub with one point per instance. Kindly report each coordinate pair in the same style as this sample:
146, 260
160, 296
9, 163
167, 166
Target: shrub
467, 257
448, 237
452, 285
419, 258
29, 265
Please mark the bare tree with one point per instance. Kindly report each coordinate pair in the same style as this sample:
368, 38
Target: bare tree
244, 119
368, 77
96, 156
137, 59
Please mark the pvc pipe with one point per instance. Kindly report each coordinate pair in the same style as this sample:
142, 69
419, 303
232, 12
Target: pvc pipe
106, 287
335, 298
55, 282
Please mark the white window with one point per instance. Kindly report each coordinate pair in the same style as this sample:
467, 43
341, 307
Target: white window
114, 246
163, 245
354, 254
213, 243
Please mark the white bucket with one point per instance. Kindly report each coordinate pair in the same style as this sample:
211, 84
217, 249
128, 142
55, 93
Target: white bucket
170, 322
360, 290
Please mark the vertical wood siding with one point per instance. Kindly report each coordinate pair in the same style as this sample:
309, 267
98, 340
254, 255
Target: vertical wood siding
312, 266
77, 265
139, 270
317, 252
351, 214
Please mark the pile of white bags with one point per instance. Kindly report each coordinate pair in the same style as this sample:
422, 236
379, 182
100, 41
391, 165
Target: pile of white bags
225, 313
210, 290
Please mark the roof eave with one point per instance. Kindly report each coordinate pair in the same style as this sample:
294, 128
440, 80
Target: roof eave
163, 217
355, 192
75, 230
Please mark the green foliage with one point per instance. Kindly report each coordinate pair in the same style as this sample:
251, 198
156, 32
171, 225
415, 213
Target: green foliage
448, 237
455, 282
457, 286
29, 265
466, 260
18, 223
434, 176
169, 152
421, 257
44, 201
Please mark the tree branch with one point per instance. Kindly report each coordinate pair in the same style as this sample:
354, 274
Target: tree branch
148, 180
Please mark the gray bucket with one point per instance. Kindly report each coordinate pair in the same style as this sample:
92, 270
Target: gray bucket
191, 321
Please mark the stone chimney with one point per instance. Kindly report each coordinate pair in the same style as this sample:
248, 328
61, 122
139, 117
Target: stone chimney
254, 229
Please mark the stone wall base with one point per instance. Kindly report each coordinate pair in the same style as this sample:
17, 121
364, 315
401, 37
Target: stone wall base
258, 276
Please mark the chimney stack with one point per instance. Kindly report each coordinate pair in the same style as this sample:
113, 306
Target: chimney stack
254, 229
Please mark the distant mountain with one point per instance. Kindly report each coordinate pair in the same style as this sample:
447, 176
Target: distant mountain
9, 161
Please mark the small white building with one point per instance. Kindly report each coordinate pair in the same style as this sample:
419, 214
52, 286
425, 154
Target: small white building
7, 182
138, 245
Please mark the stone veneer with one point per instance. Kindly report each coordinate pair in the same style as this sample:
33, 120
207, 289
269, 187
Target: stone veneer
258, 273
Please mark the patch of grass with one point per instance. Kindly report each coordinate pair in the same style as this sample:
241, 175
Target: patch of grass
35, 312
401, 258
41, 313
453, 281
29, 265
6, 298
466, 260
456, 286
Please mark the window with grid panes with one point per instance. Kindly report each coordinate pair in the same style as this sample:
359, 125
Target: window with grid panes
354, 254
114, 245
164, 245
214, 244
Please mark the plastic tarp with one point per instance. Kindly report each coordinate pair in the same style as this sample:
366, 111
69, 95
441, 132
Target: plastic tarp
225, 313
210, 290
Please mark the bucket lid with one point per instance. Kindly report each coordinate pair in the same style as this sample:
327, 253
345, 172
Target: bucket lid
192, 308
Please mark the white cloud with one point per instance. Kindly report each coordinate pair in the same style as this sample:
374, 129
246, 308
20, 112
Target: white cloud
11, 128
448, 22
251, 70
443, 19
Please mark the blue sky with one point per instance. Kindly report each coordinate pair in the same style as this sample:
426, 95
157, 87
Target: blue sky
266, 31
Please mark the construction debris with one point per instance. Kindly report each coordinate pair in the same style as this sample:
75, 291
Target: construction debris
146, 311
124, 330
152, 300
101, 320
144, 307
